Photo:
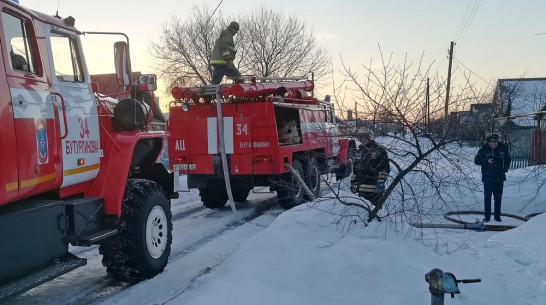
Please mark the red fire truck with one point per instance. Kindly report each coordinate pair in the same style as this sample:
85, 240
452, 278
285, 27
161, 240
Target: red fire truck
78, 167
267, 124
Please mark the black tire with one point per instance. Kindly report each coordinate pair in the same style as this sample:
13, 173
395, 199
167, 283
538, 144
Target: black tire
214, 196
142, 247
240, 194
347, 169
290, 192
312, 178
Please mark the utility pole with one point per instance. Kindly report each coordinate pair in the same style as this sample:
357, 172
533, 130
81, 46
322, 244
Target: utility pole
449, 79
427, 107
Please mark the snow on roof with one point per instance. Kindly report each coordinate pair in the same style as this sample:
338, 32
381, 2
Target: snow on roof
521, 96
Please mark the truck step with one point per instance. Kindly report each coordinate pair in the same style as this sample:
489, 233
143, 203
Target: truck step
94, 238
65, 264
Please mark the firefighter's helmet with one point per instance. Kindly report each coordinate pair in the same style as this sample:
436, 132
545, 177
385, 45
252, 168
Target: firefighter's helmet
234, 25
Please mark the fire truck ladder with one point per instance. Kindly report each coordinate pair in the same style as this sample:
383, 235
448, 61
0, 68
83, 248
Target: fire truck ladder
254, 79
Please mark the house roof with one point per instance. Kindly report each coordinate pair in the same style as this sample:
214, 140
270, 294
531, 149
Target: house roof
108, 83
517, 96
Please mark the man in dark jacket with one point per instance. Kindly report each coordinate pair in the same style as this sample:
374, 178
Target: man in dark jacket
494, 159
370, 171
223, 54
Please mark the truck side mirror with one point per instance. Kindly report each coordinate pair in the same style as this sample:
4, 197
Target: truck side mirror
122, 63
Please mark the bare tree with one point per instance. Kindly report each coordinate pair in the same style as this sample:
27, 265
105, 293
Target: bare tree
279, 45
270, 43
184, 48
422, 160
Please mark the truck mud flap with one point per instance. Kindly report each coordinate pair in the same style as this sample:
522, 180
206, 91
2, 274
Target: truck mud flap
65, 264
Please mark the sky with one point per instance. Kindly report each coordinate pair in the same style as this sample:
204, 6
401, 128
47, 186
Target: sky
494, 38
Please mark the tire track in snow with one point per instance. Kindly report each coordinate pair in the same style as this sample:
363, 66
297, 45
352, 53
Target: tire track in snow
90, 284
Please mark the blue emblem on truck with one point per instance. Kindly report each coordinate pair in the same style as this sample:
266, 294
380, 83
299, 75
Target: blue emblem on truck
41, 141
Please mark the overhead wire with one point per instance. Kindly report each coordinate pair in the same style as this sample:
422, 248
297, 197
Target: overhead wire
476, 6
470, 70
459, 31
423, 58
431, 54
468, 23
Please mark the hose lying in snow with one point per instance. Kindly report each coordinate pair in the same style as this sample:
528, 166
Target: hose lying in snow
478, 226
488, 227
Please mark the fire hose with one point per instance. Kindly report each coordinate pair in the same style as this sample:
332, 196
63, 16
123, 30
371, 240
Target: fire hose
477, 225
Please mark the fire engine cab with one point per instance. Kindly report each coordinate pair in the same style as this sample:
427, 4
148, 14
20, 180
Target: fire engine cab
267, 124
78, 167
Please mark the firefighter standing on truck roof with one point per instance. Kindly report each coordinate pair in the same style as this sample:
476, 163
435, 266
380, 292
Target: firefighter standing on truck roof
371, 169
223, 54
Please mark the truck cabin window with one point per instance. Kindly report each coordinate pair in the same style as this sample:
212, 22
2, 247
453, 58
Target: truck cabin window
66, 58
19, 44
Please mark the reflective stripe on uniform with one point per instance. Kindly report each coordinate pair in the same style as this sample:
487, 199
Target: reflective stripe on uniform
364, 188
367, 188
218, 62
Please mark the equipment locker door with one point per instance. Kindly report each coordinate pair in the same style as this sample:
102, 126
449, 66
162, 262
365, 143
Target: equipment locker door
79, 119
242, 157
30, 162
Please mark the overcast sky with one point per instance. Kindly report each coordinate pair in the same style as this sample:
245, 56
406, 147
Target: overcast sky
494, 38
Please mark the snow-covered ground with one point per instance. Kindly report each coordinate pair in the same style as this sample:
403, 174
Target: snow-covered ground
308, 256
303, 258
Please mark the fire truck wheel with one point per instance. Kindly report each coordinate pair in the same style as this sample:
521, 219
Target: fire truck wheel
239, 194
143, 245
347, 169
214, 196
290, 192
312, 178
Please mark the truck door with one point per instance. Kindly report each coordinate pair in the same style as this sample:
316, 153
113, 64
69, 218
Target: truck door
30, 139
78, 118
332, 131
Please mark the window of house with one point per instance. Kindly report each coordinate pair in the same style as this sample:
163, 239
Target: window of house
19, 43
66, 58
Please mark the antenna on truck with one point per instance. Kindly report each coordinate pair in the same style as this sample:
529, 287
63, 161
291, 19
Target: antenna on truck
57, 13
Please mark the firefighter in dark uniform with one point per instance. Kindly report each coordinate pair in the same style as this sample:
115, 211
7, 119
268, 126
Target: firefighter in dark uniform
371, 170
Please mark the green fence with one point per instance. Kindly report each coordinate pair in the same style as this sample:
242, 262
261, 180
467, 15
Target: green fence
520, 158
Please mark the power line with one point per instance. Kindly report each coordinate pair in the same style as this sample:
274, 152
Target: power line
423, 58
469, 21
459, 31
472, 72
432, 54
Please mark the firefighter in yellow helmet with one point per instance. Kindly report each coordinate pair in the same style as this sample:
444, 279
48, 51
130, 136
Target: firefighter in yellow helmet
223, 54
